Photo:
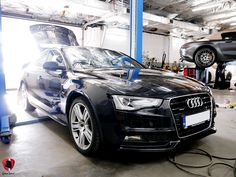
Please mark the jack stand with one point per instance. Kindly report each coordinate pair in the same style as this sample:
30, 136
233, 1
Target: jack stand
5, 132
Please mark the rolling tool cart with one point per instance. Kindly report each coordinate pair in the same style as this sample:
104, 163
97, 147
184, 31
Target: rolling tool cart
190, 72
5, 132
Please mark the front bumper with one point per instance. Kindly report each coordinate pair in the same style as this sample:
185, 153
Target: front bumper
171, 143
185, 55
155, 129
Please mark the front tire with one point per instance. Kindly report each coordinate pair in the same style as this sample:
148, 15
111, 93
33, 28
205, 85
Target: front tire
205, 57
83, 127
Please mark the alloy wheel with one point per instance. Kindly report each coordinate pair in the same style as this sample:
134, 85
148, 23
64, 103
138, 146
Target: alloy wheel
81, 126
205, 57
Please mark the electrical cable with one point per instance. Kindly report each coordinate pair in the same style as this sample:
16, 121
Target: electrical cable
210, 164
227, 158
224, 158
189, 172
235, 168
202, 152
219, 163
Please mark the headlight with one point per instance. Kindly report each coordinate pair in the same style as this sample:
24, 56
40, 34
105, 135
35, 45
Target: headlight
209, 90
133, 103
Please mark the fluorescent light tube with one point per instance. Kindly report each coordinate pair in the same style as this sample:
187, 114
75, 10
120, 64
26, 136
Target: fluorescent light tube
205, 7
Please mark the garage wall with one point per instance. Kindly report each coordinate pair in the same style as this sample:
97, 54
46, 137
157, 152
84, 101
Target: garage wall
175, 44
117, 39
110, 38
154, 45
92, 37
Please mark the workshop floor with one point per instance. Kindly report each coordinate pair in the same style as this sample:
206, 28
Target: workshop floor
46, 150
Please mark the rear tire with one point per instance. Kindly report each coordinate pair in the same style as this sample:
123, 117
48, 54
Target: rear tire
24, 102
205, 57
84, 128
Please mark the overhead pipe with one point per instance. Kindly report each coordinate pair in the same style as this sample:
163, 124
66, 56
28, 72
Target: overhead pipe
32, 18
103, 35
86, 25
175, 23
114, 12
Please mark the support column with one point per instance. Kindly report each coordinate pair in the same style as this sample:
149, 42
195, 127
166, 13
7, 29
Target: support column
136, 29
2, 77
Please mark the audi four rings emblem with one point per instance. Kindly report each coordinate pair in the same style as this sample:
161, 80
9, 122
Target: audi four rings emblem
194, 102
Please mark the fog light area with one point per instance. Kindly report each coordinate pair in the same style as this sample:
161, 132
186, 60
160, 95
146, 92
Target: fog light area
133, 138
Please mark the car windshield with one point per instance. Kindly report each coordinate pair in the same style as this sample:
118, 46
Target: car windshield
94, 58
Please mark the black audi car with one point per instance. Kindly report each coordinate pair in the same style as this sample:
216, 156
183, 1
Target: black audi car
109, 100
206, 53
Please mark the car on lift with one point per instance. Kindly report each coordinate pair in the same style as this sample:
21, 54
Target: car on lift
109, 100
206, 53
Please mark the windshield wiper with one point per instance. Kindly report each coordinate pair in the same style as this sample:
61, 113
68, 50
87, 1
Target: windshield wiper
88, 73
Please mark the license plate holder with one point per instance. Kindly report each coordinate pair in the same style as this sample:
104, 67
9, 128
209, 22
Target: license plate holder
196, 119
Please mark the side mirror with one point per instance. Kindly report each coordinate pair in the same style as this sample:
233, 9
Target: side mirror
53, 66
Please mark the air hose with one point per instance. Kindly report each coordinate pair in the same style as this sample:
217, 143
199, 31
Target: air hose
210, 164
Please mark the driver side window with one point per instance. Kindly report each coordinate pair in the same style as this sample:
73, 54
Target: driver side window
55, 56
128, 63
123, 62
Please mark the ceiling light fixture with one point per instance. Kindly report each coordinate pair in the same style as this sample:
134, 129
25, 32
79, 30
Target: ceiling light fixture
198, 2
119, 19
217, 17
229, 20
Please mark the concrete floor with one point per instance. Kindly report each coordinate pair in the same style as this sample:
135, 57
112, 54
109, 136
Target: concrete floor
46, 149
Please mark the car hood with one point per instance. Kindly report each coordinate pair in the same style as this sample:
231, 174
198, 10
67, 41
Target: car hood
197, 43
51, 35
148, 83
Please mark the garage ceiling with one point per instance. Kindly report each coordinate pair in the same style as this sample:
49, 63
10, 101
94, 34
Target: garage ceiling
212, 13
216, 15
182, 18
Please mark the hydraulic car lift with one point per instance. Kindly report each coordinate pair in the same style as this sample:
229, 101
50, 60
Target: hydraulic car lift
5, 133
136, 29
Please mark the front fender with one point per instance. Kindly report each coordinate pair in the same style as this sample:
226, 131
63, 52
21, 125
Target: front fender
97, 95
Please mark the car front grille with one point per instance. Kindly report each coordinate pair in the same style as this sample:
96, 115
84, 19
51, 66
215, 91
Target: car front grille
180, 109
